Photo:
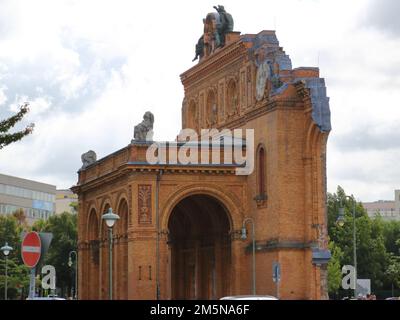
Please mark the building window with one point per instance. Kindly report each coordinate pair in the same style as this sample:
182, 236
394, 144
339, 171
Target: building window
192, 116
26, 193
211, 109
261, 176
261, 171
232, 96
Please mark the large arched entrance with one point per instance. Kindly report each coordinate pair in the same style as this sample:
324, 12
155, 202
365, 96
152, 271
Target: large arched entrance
199, 239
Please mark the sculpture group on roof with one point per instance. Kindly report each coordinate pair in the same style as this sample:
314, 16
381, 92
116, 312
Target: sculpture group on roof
216, 26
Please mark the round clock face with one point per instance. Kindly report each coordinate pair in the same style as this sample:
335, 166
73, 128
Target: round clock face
263, 73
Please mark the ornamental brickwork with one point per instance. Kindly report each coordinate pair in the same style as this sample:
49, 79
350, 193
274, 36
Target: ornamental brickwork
179, 232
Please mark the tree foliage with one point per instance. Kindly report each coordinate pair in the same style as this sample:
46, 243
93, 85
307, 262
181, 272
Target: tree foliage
64, 230
74, 206
6, 125
377, 243
391, 233
18, 274
19, 214
334, 268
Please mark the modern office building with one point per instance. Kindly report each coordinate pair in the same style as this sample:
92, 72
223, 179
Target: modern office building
387, 209
37, 199
64, 199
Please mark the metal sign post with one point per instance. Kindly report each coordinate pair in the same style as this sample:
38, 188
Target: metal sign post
32, 283
33, 249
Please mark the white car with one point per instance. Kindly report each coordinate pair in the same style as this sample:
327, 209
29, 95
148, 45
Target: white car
46, 298
250, 297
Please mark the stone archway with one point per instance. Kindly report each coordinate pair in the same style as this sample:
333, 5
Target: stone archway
199, 239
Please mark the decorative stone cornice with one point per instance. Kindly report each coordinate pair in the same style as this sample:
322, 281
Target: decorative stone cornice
212, 64
261, 109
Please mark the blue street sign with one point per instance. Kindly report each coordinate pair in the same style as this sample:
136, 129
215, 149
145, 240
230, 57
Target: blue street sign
276, 272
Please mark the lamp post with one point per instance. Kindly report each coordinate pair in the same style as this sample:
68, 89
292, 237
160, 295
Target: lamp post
110, 217
70, 263
244, 237
340, 222
6, 249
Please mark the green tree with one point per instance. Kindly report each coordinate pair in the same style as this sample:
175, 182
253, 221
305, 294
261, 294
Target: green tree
6, 137
334, 269
393, 271
9, 230
74, 206
372, 257
39, 225
391, 233
18, 274
19, 214
17, 279
64, 230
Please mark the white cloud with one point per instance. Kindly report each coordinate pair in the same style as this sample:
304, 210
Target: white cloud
384, 16
92, 68
37, 106
3, 97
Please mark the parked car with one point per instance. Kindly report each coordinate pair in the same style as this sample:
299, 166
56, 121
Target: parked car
50, 297
250, 297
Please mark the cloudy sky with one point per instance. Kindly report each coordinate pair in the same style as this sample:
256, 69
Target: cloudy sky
90, 69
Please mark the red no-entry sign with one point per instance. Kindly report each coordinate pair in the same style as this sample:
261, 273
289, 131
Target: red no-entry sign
31, 249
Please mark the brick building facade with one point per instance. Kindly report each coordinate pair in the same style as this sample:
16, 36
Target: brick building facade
179, 232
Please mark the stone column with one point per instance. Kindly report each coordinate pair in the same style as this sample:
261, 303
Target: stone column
164, 267
324, 282
82, 274
132, 278
169, 273
218, 268
237, 251
197, 263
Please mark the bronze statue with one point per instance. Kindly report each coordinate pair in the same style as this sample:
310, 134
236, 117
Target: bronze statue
199, 48
226, 23
216, 26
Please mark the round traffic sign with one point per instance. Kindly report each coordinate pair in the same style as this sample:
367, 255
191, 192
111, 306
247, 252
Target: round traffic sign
31, 249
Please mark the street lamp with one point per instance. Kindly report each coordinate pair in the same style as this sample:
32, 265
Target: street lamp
6, 251
340, 222
110, 217
70, 263
244, 237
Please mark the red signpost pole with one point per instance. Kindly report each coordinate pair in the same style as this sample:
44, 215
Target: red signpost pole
31, 253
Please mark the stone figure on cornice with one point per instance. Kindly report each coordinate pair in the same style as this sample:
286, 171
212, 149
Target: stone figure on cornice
88, 158
144, 130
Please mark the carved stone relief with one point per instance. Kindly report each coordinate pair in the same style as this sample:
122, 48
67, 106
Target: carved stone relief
144, 204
